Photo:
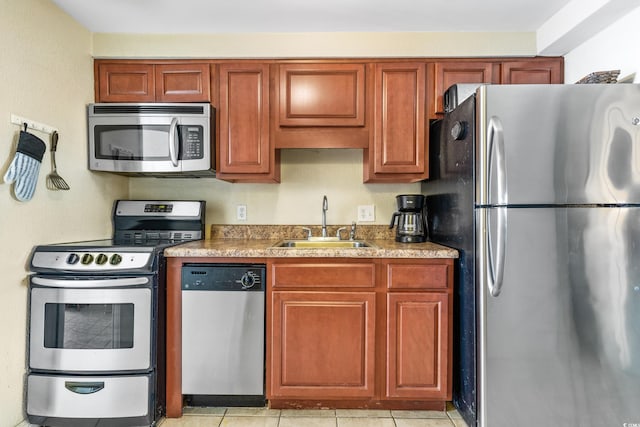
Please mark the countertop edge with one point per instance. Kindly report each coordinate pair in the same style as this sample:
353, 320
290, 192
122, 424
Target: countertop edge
253, 248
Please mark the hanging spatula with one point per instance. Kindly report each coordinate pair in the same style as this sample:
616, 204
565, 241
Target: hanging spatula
55, 181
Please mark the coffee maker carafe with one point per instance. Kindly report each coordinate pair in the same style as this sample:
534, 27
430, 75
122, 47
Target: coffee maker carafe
412, 225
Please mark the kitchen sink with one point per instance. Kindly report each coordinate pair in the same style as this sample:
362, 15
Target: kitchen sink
323, 244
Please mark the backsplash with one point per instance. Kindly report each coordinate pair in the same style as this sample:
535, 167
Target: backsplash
273, 232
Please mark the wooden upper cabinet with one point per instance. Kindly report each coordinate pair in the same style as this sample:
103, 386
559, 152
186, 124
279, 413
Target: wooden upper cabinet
182, 83
320, 105
398, 147
146, 82
244, 151
118, 82
537, 70
534, 71
447, 74
322, 95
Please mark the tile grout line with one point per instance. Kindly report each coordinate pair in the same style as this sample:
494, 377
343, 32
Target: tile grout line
226, 413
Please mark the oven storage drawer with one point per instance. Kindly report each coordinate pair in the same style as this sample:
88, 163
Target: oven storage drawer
54, 400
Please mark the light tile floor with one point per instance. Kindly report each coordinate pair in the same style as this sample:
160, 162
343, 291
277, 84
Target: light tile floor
264, 417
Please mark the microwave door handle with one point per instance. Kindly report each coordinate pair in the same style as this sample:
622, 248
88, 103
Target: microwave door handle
173, 142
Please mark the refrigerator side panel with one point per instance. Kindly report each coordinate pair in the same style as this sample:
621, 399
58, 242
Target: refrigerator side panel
560, 343
558, 144
450, 218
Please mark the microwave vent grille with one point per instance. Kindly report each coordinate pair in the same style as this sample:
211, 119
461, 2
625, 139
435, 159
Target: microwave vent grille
149, 109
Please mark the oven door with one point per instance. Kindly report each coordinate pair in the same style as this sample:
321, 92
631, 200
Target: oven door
82, 325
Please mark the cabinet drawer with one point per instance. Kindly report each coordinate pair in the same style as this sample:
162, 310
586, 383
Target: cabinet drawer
417, 276
334, 275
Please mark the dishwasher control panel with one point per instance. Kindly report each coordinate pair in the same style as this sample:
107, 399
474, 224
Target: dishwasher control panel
223, 277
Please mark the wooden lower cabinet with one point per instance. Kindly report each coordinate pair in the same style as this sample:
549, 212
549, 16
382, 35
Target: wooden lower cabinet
379, 340
322, 344
417, 345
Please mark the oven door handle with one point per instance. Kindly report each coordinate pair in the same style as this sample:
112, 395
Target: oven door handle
84, 387
104, 283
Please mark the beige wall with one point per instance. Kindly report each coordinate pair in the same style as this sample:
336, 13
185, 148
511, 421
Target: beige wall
315, 45
307, 175
46, 75
615, 48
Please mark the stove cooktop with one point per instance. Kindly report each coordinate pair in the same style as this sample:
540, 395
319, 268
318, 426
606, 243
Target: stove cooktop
142, 229
120, 245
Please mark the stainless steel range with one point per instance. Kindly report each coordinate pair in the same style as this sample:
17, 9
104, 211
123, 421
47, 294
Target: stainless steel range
97, 319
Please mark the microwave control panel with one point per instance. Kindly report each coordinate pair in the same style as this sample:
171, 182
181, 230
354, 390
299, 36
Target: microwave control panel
192, 142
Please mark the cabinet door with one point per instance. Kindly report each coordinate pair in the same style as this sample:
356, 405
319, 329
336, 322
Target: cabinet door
182, 83
418, 340
532, 72
322, 95
244, 149
450, 73
398, 151
119, 82
322, 345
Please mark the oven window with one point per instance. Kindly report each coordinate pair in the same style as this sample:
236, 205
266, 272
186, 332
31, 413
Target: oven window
88, 326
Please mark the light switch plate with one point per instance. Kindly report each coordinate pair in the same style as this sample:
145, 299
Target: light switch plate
241, 212
366, 213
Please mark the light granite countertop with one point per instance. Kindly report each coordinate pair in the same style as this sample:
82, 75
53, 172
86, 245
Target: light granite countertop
257, 242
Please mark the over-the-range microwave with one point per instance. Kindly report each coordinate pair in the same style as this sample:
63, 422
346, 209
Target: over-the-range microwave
152, 139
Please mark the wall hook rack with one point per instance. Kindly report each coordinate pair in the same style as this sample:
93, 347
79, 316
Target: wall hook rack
25, 123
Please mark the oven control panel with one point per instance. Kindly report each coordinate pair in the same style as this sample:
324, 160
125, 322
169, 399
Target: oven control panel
92, 261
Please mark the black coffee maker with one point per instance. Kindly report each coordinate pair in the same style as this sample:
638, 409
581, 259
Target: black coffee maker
411, 218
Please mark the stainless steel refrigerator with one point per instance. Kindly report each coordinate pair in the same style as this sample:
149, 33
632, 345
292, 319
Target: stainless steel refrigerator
538, 187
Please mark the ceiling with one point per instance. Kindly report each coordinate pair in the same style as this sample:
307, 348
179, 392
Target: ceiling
282, 16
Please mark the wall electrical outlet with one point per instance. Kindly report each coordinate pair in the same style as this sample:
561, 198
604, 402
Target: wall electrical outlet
241, 212
366, 213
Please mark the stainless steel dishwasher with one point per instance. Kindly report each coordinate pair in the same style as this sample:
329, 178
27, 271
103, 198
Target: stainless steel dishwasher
223, 333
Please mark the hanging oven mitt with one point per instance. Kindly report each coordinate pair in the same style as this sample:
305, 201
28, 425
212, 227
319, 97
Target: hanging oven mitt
25, 166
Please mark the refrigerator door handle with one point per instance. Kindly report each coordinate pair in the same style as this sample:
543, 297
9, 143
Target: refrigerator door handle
496, 269
496, 142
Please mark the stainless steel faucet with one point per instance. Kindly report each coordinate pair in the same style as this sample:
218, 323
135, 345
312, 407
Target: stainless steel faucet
325, 208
